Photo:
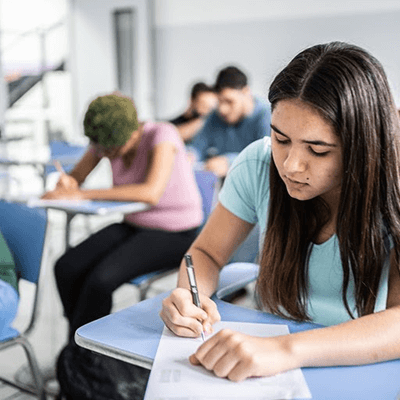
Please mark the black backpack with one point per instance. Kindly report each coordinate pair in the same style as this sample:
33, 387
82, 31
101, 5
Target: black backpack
86, 375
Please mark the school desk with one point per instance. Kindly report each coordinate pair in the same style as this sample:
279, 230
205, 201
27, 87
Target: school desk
133, 334
40, 164
87, 207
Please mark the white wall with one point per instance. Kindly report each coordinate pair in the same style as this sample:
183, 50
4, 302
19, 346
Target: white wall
23, 53
189, 12
3, 90
194, 39
93, 59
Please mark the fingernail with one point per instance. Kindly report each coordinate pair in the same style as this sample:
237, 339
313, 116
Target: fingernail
207, 328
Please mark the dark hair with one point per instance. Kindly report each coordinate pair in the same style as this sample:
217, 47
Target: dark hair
110, 120
348, 87
230, 77
198, 88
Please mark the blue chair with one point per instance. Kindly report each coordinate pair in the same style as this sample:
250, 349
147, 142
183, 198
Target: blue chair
66, 153
234, 277
24, 229
208, 184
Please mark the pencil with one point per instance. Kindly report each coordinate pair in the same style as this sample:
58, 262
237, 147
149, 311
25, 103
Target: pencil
58, 166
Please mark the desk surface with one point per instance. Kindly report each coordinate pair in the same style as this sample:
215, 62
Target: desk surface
133, 334
64, 160
90, 207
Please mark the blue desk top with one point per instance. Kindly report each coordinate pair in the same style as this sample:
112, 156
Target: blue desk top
133, 335
90, 207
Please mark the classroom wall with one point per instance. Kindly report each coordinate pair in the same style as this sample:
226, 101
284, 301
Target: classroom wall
182, 41
92, 60
3, 98
3, 90
194, 39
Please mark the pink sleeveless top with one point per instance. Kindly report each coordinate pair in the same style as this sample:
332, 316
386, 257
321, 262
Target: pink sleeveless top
180, 207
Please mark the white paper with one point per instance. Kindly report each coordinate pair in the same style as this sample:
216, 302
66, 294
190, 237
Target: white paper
172, 376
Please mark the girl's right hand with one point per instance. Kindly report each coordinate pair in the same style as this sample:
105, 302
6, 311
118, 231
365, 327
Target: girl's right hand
183, 318
66, 182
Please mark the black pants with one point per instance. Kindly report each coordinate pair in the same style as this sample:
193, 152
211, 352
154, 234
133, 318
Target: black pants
88, 274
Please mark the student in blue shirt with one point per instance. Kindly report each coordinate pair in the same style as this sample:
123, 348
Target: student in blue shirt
325, 187
240, 118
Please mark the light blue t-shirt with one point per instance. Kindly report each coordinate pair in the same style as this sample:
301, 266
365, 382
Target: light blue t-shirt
245, 193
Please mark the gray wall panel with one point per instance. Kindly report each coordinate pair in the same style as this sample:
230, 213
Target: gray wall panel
188, 53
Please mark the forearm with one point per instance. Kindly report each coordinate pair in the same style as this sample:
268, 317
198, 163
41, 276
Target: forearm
189, 129
139, 192
84, 167
365, 340
206, 270
78, 177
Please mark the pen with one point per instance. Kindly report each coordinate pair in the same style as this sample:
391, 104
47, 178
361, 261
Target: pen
59, 167
193, 284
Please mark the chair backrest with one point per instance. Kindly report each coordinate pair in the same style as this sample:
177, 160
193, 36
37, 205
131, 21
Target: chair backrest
24, 229
64, 151
207, 183
60, 148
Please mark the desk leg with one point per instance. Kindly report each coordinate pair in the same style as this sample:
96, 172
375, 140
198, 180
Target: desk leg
41, 170
68, 230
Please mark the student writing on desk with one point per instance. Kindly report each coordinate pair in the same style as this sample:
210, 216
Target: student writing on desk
326, 188
149, 164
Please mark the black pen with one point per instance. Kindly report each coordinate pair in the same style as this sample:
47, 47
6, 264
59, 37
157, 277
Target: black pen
193, 284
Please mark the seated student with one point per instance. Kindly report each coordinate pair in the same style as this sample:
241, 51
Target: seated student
149, 164
9, 296
239, 119
326, 187
202, 101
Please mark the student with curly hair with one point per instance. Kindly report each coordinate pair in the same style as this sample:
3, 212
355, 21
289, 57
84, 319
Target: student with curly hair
149, 164
326, 190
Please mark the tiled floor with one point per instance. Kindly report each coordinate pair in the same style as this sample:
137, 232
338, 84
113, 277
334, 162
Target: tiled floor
49, 334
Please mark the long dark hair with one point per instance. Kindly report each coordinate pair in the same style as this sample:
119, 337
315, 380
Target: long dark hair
348, 88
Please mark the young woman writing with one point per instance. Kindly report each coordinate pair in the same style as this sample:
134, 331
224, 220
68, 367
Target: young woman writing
149, 164
326, 188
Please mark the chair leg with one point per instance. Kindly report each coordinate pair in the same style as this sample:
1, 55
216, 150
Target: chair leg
143, 292
37, 375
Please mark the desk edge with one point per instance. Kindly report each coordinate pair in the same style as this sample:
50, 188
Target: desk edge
110, 351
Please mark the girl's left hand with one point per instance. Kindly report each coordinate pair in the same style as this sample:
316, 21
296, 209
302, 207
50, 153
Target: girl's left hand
237, 356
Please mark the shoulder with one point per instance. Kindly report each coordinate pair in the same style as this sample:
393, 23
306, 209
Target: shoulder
181, 119
213, 121
159, 127
256, 153
245, 191
161, 132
